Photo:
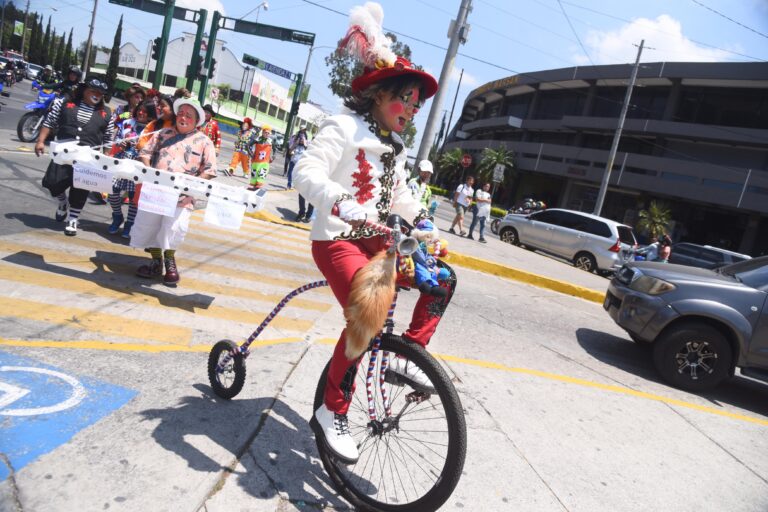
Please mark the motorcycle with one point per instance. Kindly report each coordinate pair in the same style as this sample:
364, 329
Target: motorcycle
30, 123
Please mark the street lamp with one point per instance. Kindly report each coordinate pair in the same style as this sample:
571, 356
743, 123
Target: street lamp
263, 4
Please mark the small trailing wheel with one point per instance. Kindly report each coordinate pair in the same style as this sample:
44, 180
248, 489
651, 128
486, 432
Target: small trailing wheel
228, 381
693, 356
495, 226
509, 235
585, 261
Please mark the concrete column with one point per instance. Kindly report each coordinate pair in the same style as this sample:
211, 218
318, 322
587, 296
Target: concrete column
750, 235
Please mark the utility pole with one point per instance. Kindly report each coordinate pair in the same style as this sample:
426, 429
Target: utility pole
458, 35
24, 32
87, 58
617, 135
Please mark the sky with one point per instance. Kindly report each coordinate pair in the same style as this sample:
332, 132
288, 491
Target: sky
507, 37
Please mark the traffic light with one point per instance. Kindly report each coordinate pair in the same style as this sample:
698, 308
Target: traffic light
156, 48
295, 109
212, 71
200, 68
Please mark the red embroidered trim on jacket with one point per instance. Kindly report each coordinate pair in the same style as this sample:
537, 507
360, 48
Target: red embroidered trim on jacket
362, 179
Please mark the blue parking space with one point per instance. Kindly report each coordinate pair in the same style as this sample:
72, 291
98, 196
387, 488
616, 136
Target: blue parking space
43, 407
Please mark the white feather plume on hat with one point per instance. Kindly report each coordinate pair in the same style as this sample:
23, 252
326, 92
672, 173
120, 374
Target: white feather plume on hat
365, 39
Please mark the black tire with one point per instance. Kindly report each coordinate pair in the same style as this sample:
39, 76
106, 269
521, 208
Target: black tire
404, 489
510, 236
495, 226
228, 383
25, 128
585, 261
693, 356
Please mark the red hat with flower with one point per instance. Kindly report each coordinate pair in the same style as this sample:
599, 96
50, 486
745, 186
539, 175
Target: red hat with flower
365, 41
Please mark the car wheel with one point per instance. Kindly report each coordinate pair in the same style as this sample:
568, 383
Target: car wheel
585, 261
509, 235
693, 356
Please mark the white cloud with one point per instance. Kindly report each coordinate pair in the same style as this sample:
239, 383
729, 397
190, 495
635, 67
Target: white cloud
209, 5
664, 36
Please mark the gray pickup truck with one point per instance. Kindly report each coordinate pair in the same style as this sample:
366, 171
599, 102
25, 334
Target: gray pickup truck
703, 323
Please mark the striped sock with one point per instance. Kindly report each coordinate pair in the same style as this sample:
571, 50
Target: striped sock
156, 252
115, 202
132, 209
74, 213
62, 197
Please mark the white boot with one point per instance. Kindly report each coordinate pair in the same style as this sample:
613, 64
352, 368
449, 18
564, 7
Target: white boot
71, 228
336, 431
408, 373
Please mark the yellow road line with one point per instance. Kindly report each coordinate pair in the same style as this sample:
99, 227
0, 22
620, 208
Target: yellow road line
604, 387
101, 345
250, 226
203, 267
143, 295
271, 240
102, 323
131, 347
256, 248
497, 269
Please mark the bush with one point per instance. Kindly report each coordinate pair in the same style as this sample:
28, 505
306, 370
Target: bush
498, 212
437, 191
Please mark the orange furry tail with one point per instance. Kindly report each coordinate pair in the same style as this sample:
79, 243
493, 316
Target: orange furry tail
370, 297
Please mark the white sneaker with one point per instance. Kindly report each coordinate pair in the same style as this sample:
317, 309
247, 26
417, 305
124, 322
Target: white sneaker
71, 228
336, 431
406, 372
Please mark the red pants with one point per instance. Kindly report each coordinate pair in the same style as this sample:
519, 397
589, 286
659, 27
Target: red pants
339, 261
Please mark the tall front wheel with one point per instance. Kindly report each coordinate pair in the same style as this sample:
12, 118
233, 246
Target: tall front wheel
495, 226
412, 452
29, 126
226, 369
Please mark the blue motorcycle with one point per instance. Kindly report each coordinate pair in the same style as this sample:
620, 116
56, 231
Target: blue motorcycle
30, 123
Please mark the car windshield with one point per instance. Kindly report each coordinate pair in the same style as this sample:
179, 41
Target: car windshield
752, 272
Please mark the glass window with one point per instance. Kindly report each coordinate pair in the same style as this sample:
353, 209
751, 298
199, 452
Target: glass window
711, 256
548, 216
626, 235
685, 250
596, 227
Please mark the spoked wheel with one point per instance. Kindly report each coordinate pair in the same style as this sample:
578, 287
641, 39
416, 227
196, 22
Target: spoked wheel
495, 226
228, 381
411, 459
29, 127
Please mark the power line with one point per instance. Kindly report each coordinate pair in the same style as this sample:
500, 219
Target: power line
574, 32
729, 18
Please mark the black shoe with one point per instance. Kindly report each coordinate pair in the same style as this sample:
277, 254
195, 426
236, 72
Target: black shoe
300, 218
482, 241
469, 236
452, 231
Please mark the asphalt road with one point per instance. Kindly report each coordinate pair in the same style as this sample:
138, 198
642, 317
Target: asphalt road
564, 413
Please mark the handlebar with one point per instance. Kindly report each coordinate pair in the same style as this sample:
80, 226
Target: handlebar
404, 244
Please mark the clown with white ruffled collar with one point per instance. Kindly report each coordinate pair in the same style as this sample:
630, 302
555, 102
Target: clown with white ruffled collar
355, 166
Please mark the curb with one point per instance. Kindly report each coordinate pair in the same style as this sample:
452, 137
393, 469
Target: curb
481, 265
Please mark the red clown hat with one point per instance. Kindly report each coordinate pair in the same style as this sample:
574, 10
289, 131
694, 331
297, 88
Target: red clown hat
366, 42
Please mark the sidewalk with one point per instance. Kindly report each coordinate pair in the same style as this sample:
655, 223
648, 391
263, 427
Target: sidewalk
495, 257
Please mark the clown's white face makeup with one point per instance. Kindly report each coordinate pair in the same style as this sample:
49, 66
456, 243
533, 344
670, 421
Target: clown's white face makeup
393, 112
92, 96
186, 119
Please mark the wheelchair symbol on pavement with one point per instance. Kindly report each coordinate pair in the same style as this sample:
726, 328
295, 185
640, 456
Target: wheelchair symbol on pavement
10, 393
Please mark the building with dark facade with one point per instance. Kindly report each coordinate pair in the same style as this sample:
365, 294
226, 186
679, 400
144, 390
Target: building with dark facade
695, 139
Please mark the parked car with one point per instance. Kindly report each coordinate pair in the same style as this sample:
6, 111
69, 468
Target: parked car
592, 243
703, 256
702, 323
278, 139
33, 70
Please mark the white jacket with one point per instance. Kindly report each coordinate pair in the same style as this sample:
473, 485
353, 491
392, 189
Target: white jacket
346, 160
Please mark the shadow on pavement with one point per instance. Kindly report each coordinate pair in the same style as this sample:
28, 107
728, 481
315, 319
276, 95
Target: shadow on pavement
638, 360
116, 277
273, 444
99, 228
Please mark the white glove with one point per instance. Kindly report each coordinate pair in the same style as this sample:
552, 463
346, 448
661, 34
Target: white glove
350, 211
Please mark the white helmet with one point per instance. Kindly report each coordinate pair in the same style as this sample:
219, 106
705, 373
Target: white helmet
425, 166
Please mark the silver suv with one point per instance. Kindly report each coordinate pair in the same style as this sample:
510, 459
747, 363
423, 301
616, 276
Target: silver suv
593, 243
704, 256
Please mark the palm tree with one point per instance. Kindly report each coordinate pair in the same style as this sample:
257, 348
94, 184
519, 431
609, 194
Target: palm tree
450, 165
655, 219
493, 157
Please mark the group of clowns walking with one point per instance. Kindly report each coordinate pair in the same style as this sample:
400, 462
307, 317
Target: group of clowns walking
351, 172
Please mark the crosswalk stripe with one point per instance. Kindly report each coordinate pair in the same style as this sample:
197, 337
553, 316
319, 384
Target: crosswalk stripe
103, 323
143, 295
255, 233
185, 263
260, 227
132, 347
257, 249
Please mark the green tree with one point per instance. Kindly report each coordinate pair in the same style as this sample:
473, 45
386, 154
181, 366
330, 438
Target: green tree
68, 57
45, 54
493, 157
60, 44
655, 220
223, 96
33, 39
114, 57
450, 165
345, 68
